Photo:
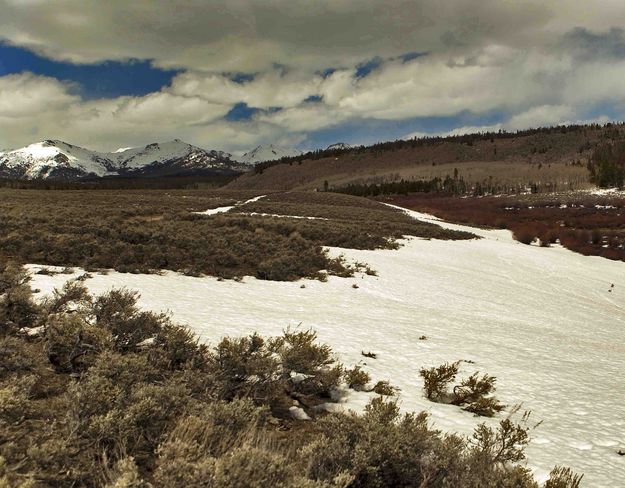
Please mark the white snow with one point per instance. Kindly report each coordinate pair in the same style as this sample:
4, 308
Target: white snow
540, 319
299, 413
259, 214
213, 211
217, 210
612, 192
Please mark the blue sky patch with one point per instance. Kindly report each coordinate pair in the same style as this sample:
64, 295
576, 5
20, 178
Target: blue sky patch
241, 78
365, 68
407, 57
103, 80
241, 111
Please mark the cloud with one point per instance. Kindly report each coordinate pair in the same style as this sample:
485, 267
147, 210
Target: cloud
545, 115
23, 96
306, 67
270, 89
252, 35
35, 107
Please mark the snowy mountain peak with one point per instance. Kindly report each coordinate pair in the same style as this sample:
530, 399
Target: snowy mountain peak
60, 160
268, 152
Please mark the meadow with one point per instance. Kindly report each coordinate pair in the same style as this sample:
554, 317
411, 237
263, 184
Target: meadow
147, 231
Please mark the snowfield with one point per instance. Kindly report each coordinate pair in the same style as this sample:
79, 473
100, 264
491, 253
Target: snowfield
542, 320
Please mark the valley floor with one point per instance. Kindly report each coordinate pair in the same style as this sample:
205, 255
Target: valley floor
545, 321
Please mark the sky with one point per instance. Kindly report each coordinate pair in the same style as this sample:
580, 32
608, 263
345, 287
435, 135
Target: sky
233, 74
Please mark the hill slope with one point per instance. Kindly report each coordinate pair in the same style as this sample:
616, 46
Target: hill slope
557, 155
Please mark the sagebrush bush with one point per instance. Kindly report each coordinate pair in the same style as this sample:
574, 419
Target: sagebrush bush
252, 467
168, 411
437, 380
356, 378
17, 309
299, 352
561, 477
72, 343
148, 231
13, 403
385, 388
247, 367
125, 474
472, 393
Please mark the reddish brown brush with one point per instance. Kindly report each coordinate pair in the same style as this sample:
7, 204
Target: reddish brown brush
584, 223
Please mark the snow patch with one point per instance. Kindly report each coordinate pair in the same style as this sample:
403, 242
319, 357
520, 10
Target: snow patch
298, 413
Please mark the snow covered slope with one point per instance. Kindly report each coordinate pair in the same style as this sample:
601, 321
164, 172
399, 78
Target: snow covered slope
268, 152
542, 320
53, 159
60, 160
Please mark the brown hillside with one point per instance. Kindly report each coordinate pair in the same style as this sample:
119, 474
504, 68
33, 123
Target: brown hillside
555, 155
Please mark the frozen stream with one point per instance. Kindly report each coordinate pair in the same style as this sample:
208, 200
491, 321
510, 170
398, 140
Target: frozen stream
542, 320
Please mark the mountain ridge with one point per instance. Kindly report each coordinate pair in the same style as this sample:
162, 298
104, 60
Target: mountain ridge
55, 159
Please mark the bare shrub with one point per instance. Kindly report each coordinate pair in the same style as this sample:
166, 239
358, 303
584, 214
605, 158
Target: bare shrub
300, 353
252, 467
385, 388
472, 393
72, 343
561, 477
524, 235
17, 309
437, 380
117, 311
245, 367
356, 378
125, 474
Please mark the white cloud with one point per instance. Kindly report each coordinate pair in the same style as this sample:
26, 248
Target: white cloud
533, 62
544, 115
26, 95
271, 89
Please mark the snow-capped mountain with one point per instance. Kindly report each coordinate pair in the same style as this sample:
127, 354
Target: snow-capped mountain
338, 145
60, 160
268, 152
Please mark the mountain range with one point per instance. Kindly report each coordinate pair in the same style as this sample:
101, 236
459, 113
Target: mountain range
53, 159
